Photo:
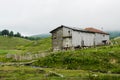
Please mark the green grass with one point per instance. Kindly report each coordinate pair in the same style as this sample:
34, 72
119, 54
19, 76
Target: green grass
116, 40
100, 63
20, 46
9, 43
14, 43
38, 46
3, 52
100, 59
30, 73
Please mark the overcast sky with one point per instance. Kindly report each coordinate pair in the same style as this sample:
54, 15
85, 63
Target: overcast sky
31, 17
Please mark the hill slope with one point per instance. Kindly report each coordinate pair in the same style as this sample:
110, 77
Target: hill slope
41, 35
114, 34
22, 48
100, 59
12, 42
38, 46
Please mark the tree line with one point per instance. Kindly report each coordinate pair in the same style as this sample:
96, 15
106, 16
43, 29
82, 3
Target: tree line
6, 32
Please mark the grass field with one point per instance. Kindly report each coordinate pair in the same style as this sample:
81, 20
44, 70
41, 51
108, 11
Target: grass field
30, 73
9, 43
38, 46
101, 59
100, 63
20, 46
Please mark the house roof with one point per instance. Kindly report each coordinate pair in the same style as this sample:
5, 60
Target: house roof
95, 30
73, 28
88, 30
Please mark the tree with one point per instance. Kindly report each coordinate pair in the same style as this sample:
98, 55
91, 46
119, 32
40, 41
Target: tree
0, 33
17, 34
11, 34
5, 32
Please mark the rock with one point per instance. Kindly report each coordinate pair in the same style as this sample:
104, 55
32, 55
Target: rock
51, 73
95, 75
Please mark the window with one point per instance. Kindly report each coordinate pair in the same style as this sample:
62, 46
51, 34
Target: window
103, 35
69, 32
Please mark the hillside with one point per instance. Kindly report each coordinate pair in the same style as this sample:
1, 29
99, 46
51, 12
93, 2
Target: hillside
101, 59
100, 63
41, 35
117, 39
38, 46
12, 42
14, 49
114, 34
24, 44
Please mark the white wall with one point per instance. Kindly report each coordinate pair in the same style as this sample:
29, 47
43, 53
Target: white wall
88, 39
100, 37
66, 31
107, 37
67, 42
76, 38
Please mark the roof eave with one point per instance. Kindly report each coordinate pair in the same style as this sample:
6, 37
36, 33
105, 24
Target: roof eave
56, 28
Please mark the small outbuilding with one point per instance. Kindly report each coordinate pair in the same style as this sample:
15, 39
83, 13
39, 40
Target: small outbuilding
64, 38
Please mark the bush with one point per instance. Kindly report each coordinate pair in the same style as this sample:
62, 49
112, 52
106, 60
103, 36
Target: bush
97, 60
116, 71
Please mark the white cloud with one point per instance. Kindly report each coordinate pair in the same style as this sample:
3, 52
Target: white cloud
41, 16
